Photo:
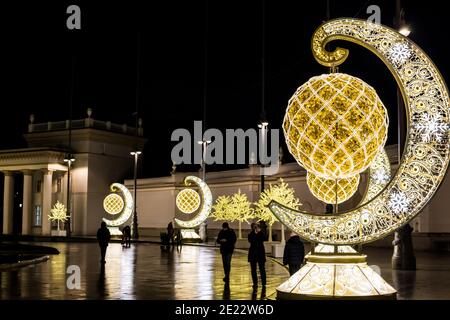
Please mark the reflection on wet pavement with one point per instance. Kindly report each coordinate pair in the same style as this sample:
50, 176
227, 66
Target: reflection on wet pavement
145, 272
140, 272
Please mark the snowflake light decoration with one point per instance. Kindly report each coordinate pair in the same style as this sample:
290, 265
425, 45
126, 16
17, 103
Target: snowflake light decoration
380, 177
432, 128
399, 53
399, 202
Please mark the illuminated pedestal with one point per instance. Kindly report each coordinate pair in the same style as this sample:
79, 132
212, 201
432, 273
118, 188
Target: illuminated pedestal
115, 231
341, 275
189, 235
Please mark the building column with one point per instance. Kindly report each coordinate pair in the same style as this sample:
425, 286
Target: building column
46, 201
27, 201
8, 202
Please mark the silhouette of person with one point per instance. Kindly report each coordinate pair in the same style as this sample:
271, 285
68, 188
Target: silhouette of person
171, 233
294, 253
179, 239
103, 237
226, 238
126, 235
257, 254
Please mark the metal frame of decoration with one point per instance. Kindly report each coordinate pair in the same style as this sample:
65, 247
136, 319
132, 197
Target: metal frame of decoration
426, 155
206, 205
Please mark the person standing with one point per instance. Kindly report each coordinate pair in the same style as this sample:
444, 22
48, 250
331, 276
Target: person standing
294, 253
257, 254
103, 237
126, 235
171, 233
226, 238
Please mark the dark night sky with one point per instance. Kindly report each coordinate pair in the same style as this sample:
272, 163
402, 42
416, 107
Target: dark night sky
39, 50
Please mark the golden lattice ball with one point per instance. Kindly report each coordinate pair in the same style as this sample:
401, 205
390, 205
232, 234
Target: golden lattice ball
326, 189
188, 201
334, 125
113, 203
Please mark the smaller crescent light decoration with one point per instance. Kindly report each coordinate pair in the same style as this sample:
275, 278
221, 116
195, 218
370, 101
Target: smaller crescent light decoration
205, 207
119, 204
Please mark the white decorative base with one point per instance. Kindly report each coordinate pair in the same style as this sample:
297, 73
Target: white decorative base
115, 231
335, 275
277, 250
189, 235
58, 233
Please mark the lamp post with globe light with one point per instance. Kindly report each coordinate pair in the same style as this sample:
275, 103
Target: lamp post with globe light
69, 160
134, 229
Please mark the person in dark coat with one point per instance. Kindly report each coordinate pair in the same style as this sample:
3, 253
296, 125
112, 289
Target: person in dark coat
171, 233
294, 253
257, 254
103, 237
226, 238
126, 235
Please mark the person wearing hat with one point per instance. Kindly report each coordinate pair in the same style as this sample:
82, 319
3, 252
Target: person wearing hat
226, 239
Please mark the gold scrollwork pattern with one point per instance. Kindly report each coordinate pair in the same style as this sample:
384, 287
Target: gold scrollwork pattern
426, 155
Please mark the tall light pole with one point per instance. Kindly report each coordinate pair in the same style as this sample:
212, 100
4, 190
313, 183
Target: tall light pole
204, 144
134, 229
69, 160
263, 126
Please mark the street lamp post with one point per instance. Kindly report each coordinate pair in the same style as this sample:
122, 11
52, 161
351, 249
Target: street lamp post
204, 144
263, 127
69, 160
134, 229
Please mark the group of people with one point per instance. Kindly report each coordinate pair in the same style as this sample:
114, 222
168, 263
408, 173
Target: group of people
294, 252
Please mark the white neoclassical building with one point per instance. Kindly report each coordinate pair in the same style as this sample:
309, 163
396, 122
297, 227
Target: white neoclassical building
36, 177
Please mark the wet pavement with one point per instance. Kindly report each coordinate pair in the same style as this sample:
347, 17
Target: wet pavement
145, 272
140, 272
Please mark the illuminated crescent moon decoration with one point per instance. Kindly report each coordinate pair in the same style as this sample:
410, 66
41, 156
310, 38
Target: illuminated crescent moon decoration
206, 205
111, 205
379, 176
426, 155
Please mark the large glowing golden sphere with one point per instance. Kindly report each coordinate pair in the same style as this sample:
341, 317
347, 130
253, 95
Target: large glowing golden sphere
327, 191
334, 125
113, 203
188, 201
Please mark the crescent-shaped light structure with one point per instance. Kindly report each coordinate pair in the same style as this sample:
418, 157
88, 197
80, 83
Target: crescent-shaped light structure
379, 176
128, 206
426, 155
206, 205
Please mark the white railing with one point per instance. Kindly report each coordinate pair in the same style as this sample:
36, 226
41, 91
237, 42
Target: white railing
85, 123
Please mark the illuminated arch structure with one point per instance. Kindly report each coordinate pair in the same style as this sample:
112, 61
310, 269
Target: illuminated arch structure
421, 170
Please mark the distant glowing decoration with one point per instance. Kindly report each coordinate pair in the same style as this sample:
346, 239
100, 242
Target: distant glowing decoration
281, 193
188, 201
330, 190
112, 204
335, 124
58, 213
233, 208
423, 164
206, 204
